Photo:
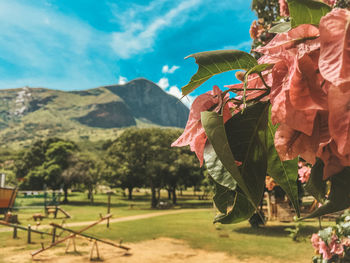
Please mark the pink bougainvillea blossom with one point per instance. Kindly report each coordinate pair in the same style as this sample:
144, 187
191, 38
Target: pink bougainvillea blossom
304, 174
336, 246
333, 161
306, 86
290, 144
334, 60
339, 117
256, 30
255, 87
194, 134
346, 242
291, 39
315, 241
324, 250
284, 11
330, 2
282, 110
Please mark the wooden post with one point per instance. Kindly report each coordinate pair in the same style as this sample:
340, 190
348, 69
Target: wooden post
108, 208
268, 204
53, 235
15, 232
69, 241
94, 245
23, 228
29, 236
56, 210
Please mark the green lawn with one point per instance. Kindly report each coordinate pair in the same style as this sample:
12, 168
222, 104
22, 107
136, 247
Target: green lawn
81, 209
196, 228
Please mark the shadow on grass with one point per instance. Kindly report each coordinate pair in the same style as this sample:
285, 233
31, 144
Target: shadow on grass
276, 231
88, 203
195, 205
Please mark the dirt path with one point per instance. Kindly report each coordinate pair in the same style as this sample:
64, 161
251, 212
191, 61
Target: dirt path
120, 219
160, 250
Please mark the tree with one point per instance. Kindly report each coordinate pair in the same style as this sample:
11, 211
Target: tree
126, 161
144, 157
182, 169
43, 163
83, 169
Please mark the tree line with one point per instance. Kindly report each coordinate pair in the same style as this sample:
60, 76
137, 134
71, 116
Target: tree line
137, 158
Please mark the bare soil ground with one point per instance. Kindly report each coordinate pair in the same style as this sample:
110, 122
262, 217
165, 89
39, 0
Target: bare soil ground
160, 250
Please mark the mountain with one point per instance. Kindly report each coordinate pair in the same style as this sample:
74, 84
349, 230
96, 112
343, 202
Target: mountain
27, 114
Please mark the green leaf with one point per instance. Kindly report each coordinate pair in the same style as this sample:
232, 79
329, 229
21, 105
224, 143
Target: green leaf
233, 205
229, 199
284, 173
214, 127
281, 28
259, 68
224, 198
307, 11
216, 170
316, 186
215, 62
243, 137
326, 234
339, 197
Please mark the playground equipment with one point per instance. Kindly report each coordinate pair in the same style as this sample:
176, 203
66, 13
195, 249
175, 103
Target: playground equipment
72, 236
51, 205
7, 199
28, 229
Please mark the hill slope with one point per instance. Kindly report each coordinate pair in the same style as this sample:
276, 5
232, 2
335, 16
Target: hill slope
27, 114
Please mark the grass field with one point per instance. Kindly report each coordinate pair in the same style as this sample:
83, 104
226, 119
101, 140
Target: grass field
195, 227
80, 208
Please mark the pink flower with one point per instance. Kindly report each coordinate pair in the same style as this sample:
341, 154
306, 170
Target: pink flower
284, 11
315, 240
194, 134
336, 246
304, 174
300, 164
346, 242
339, 116
330, 2
334, 62
324, 250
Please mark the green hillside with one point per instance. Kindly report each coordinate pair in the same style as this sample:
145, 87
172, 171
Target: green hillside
27, 114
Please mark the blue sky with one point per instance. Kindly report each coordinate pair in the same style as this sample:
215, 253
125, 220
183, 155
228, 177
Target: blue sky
81, 44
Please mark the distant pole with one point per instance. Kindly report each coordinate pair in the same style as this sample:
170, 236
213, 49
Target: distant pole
108, 208
29, 237
53, 235
15, 232
2, 183
45, 199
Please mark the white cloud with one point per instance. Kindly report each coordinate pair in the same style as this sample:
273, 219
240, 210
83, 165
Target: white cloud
171, 70
175, 91
163, 83
41, 41
245, 46
122, 80
137, 36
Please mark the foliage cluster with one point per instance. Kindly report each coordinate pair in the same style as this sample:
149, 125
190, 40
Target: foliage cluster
143, 157
292, 103
137, 158
332, 244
